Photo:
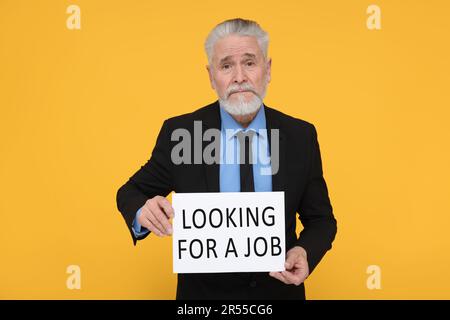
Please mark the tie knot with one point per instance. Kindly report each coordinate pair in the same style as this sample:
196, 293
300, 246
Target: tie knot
246, 160
245, 145
241, 135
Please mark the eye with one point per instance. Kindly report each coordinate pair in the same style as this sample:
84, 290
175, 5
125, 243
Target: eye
250, 63
226, 66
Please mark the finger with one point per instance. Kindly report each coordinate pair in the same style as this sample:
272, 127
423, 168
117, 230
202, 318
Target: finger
162, 219
151, 217
279, 276
166, 206
303, 272
302, 265
291, 260
149, 225
296, 279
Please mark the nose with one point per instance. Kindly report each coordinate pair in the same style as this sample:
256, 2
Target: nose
239, 75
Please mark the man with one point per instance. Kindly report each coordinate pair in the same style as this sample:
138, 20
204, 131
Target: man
239, 71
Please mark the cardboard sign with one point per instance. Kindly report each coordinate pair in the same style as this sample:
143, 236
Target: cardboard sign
228, 232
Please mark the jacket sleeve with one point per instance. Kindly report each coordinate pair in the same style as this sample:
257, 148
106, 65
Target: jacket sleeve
152, 179
315, 210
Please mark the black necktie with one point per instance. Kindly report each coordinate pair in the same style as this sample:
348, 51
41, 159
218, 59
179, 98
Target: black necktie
246, 160
247, 183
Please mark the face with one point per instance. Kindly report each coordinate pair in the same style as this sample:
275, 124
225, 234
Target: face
239, 73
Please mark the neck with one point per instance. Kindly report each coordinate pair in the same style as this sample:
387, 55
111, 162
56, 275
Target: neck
245, 120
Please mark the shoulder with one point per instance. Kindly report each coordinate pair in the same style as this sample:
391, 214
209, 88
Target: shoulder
292, 126
206, 112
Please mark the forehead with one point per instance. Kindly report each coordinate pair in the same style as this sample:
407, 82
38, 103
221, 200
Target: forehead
235, 47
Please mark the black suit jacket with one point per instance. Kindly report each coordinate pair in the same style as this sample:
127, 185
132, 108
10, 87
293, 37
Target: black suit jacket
299, 176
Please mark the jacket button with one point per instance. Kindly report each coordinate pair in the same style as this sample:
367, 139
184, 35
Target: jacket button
253, 284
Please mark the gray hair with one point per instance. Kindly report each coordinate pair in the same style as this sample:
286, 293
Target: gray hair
239, 27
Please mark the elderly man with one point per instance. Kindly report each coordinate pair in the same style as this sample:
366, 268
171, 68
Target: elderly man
239, 71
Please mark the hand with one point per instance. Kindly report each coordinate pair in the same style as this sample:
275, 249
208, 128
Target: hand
155, 216
296, 265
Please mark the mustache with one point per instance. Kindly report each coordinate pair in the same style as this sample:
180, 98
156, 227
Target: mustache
236, 88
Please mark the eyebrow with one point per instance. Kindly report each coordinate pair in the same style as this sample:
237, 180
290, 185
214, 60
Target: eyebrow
246, 55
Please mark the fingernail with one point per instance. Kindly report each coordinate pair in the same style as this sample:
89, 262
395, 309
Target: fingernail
170, 230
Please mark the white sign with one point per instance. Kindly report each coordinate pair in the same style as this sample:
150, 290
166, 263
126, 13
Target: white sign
228, 232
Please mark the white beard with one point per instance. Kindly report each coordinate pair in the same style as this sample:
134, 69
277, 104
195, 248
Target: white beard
241, 107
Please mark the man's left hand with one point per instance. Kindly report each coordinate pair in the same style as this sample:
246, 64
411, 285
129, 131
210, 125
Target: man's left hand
296, 265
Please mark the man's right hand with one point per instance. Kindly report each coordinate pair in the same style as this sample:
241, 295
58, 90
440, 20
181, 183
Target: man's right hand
155, 215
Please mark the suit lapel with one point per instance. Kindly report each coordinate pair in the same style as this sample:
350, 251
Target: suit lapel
211, 120
272, 123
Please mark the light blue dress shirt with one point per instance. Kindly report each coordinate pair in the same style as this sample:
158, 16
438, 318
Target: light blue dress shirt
229, 177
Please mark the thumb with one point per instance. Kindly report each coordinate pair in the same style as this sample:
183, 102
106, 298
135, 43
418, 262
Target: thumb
290, 261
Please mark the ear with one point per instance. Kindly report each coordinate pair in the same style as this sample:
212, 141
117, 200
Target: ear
269, 70
211, 79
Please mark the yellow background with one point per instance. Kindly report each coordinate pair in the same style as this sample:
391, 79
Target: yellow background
80, 111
